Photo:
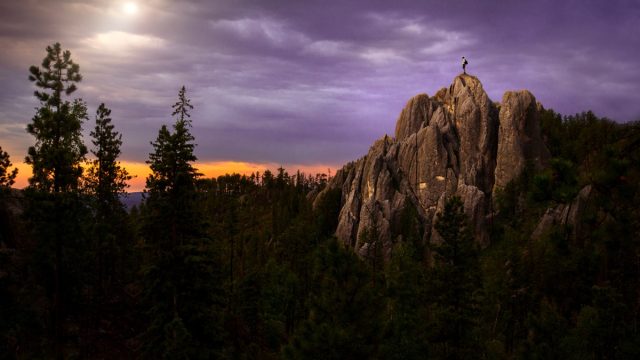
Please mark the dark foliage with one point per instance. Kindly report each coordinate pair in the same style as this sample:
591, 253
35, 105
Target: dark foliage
7, 176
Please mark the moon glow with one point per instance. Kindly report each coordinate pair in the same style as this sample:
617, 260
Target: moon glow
130, 8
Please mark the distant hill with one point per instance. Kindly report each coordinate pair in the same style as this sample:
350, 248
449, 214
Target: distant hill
131, 199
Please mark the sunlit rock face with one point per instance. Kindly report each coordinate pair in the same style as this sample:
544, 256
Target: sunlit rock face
457, 142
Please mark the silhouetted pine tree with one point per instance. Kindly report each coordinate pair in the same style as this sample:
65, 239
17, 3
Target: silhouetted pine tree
106, 181
603, 329
7, 177
181, 277
56, 210
405, 323
9, 306
344, 318
455, 278
57, 156
182, 106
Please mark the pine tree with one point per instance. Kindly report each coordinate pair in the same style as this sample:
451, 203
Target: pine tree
7, 178
405, 322
344, 318
106, 182
59, 151
182, 106
8, 303
106, 179
455, 280
56, 210
603, 329
181, 276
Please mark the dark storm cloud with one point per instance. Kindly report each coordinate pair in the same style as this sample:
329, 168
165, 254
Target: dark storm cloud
306, 82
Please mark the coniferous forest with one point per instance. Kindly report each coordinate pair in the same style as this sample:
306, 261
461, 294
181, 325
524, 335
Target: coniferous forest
245, 267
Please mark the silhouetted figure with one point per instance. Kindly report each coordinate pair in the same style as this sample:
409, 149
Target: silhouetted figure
464, 65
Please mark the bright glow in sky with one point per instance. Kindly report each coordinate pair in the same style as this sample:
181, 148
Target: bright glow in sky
130, 8
140, 171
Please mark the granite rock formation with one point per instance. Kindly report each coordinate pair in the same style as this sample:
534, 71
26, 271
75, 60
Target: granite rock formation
457, 142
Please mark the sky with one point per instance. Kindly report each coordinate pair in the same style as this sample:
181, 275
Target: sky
308, 84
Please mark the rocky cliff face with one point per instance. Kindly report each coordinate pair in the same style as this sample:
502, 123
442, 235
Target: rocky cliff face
519, 138
457, 142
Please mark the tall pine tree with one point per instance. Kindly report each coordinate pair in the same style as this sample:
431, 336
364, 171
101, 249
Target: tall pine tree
405, 322
106, 182
182, 106
344, 309
57, 156
455, 279
7, 176
9, 306
106, 179
56, 209
181, 277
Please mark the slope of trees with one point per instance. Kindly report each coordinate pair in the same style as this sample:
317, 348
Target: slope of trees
245, 267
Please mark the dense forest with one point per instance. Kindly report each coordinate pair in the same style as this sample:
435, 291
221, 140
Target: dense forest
245, 267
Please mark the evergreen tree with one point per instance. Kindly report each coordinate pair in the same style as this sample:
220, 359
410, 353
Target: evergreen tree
344, 318
182, 106
455, 280
181, 278
9, 306
55, 209
603, 330
405, 324
107, 181
59, 151
7, 178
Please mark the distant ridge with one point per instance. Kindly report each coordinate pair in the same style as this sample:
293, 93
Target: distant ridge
131, 199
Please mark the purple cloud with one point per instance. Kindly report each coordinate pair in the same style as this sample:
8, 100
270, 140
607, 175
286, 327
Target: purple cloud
307, 82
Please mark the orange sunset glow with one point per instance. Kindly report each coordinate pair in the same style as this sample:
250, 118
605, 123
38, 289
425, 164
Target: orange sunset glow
141, 170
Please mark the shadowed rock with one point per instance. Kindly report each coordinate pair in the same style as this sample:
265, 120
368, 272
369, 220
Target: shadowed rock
519, 137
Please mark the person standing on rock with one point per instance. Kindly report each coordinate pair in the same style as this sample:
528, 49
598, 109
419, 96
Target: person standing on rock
464, 65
